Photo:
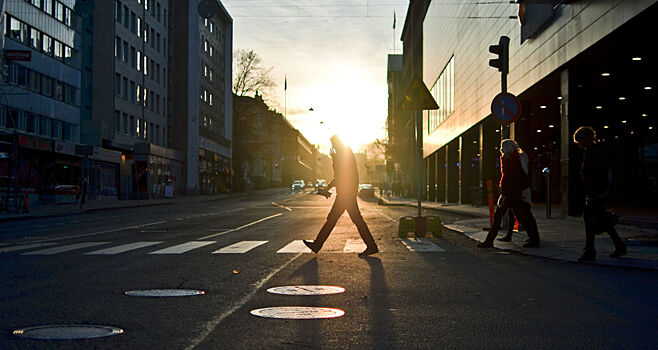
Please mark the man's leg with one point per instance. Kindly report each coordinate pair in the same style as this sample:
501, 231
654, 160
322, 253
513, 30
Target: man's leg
493, 230
523, 212
332, 218
357, 219
591, 228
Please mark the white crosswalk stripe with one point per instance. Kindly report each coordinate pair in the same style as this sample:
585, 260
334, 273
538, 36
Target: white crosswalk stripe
240, 247
65, 248
24, 247
182, 248
354, 246
122, 248
421, 245
294, 247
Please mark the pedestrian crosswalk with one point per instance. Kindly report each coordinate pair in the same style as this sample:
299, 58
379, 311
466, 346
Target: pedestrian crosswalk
241, 247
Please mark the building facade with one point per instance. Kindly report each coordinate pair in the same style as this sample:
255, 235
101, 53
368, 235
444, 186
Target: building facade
40, 96
571, 64
201, 97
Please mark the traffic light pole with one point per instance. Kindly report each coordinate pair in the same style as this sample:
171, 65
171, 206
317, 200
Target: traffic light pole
419, 156
502, 63
504, 129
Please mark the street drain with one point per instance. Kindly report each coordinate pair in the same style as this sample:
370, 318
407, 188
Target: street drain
160, 293
70, 331
306, 290
298, 312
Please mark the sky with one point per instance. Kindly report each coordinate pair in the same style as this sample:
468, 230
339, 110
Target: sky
333, 54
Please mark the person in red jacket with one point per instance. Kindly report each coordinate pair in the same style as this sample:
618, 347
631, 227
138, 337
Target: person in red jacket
513, 183
346, 181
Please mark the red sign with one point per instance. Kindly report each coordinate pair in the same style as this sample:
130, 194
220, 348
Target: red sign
64, 147
18, 55
35, 143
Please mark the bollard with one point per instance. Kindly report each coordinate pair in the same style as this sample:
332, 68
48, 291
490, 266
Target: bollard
27, 201
547, 173
491, 200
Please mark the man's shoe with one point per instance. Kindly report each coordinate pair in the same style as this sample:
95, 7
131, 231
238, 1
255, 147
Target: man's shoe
504, 239
587, 257
369, 251
618, 252
531, 244
311, 245
485, 244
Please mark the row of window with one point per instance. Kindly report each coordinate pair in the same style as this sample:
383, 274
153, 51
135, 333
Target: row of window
209, 123
134, 92
207, 97
55, 9
208, 73
138, 127
38, 124
38, 40
41, 83
443, 92
139, 61
139, 27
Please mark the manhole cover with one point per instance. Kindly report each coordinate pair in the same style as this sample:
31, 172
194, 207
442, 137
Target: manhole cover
306, 290
298, 312
70, 331
158, 293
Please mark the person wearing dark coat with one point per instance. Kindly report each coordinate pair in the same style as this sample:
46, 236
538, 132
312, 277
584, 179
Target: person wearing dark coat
346, 181
594, 175
513, 183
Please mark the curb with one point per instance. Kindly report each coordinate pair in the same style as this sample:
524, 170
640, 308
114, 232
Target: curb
525, 253
385, 202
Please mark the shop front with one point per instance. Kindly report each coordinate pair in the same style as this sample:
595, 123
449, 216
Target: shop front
157, 172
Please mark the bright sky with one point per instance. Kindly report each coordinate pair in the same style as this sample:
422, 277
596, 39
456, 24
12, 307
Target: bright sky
334, 56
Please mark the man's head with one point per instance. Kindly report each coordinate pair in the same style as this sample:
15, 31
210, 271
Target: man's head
584, 137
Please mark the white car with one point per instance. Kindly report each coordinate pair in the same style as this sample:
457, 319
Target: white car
297, 185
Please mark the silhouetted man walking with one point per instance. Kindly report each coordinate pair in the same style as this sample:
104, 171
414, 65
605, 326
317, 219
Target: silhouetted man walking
346, 181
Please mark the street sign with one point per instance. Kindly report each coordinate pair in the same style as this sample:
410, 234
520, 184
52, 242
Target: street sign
418, 97
506, 108
18, 55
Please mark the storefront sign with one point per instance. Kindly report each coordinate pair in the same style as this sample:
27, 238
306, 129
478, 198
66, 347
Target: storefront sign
35, 143
64, 147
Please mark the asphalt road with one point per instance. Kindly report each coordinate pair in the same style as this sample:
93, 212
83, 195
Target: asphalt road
456, 297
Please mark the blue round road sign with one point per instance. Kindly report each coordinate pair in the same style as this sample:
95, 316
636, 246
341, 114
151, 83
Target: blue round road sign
506, 108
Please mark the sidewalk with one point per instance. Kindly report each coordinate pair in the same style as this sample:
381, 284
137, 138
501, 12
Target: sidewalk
50, 210
561, 238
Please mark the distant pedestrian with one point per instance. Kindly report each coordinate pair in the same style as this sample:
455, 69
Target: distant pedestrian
594, 175
526, 201
514, 182
346, 181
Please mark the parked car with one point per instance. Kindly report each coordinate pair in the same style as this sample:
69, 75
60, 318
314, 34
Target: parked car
309, 184
321, 184
366, 191
297, 185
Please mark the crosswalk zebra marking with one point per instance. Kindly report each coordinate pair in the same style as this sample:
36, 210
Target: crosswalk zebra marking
65, 248
294, 247
421, 245
354, 246
122, 248
24, 247
182, 248
240, 247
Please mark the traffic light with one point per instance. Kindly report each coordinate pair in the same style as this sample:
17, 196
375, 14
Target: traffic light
502, 50
276, 165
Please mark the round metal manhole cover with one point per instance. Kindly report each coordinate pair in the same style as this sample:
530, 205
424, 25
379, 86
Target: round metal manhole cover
63, 332
161, 293
306, 290
298, 312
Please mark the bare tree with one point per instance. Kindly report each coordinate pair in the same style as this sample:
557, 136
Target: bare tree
249, 75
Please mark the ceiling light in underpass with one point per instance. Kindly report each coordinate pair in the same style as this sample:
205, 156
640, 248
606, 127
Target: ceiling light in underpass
542, 107
475, 142
623, 122
644, 114
538, 130
632, 132
605, 74
599, 107
651, 128
551, 126
535, 148
559, 97
621, 98
616, 136
605, 126
647, 88
637, 58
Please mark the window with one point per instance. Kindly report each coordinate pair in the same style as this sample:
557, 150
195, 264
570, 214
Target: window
153, 38
139, 60
117, 84
68, 16
133, 92
31, 121
146, 32
36, 3
48, 6
210, 75
18, 30
47, 45
125, 90
212, 27
68, 130
205, 70
21, 77
59, 50
68, 55
117, 10
56, 129
133, 22
59, 11
57, 90
146, 65
205, 45
139, 27
35, 38
157, 43
157, 103
35, 81
125, 52
126, 16
157, 72
124, 122
210, 99
117, 120
150, 101
44, 126
443, 92
117, 47
158, 12
139, 93
132, 125
138, 128
47, 86
133, 57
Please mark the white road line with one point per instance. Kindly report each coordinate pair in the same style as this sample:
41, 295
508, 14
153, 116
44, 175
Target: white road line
354, 246
240, 247
65, 248
294, 247
388, 217
122, 248
241, 227
100, 232
281, 206
210, 326
421, 245
24, 246
182, 248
